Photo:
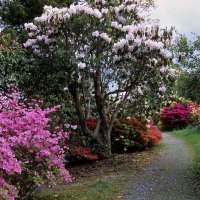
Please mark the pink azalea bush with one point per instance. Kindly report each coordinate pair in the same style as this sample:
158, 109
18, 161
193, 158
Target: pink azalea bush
175, 116
31, 151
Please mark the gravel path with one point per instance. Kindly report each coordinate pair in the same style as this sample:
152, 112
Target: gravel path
168, 178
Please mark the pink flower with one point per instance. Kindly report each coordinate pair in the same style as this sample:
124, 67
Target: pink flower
26, 141
162, 89
81, 65
95, 33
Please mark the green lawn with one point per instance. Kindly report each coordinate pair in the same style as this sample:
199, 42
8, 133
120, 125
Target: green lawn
100, 190
108, 183
192, 137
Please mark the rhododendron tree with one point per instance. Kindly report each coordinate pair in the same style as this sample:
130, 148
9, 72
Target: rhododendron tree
109, 45
31, 151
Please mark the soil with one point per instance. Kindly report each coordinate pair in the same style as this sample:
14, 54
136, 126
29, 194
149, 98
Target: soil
117, 165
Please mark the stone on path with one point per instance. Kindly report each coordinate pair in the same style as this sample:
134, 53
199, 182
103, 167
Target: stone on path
168, 178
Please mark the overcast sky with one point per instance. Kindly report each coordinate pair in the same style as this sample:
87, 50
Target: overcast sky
183, 14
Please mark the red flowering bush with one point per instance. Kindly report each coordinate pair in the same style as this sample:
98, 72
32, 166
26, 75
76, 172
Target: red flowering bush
91, 123
153, 133
77, 153
83, 147
129, 135
30, 155
83, 153
175, 116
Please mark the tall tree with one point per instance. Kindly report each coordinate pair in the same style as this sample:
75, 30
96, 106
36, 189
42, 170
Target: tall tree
114, 43
188, 56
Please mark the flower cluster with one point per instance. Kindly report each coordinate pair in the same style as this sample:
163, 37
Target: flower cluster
131, 134
29, 153
153, 133
136, 34
175, 116
196, 114
122, 43
162, 88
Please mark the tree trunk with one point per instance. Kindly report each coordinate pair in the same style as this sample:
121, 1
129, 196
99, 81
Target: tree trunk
101, 108
74, 92
88, 99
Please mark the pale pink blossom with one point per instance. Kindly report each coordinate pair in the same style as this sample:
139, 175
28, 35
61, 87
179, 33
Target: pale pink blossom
74, 127
105, 37
30, 26
166, 53
97, 13
29, 43
81, 65
104, 10
95, 33
116, 58
120, 44
153, 45
162, 89
163, 69
72, 9
92, 70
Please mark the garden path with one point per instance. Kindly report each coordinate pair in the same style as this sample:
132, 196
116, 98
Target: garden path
167, 178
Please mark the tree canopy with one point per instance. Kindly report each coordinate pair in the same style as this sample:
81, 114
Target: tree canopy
188, 54
105, 48
17, 12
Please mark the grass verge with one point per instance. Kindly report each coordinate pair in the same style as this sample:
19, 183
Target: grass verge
100, 190
104, 180
191, 136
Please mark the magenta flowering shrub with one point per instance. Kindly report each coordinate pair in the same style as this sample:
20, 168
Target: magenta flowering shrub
31, 151
175, 116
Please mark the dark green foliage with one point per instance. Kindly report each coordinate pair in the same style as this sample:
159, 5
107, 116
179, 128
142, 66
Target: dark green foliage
189, 85
18, 12
188, 54
37, 79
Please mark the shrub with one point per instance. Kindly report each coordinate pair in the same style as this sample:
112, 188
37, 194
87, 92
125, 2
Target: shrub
129, 135
175, 116
31, 151
195, 115
153, 133
83, 147
91, 123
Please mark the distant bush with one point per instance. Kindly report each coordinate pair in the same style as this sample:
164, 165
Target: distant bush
195, 115
175, 116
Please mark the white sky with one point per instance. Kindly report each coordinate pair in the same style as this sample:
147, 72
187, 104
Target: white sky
183, 14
